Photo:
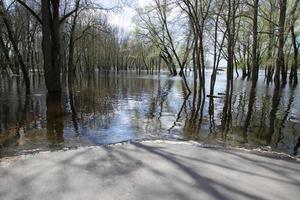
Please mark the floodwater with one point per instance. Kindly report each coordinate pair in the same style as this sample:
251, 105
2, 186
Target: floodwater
105, 109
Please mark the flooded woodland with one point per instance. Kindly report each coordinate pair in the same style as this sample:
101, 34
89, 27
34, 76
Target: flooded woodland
81, 73
149, 99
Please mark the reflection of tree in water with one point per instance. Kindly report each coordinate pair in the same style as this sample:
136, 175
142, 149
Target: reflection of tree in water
243, 120
197, 105
153, 115
12, 137
193, 117
72, 106
275, 103
254, 123
55, 119
9, 103
227, 113
297, 145
263, 116
99, 101
284, 119
250, 111
154, 102
94, 106
21, 116
211, 114
163, 94
13, 114
240, 110
182, 108
156, 107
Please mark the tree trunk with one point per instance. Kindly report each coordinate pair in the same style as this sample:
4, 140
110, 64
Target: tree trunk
230, 25
255, 63
51, 44
294, 69
280, 55
270, 66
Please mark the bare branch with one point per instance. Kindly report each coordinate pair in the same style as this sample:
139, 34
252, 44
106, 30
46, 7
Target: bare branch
30, 10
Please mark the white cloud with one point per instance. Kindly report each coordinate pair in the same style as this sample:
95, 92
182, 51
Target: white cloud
124, 17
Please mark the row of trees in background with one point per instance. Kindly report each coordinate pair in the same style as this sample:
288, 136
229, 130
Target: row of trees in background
239, 34
51, 37
248, 34
64, 37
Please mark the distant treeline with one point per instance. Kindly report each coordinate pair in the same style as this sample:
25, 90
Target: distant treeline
68, 37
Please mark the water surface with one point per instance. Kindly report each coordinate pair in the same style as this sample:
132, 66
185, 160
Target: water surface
105, 109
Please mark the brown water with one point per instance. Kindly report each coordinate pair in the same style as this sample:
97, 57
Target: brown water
103, 109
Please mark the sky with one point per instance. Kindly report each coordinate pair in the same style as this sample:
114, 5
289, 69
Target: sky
124, 17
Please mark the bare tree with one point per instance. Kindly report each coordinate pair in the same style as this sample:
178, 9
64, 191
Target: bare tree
280, 65
12, 39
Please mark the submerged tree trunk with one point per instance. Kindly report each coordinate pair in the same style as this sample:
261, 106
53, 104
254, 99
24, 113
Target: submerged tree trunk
244, 58
55, 118
216, 61
275, 103
250, 109
230, 25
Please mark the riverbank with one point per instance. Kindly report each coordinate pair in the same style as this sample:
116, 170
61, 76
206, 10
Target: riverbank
150, 170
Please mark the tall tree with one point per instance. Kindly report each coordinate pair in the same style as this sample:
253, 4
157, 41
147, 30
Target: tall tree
50, 22
71, 67
255, 62
14, 43
230, 26
280, 65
